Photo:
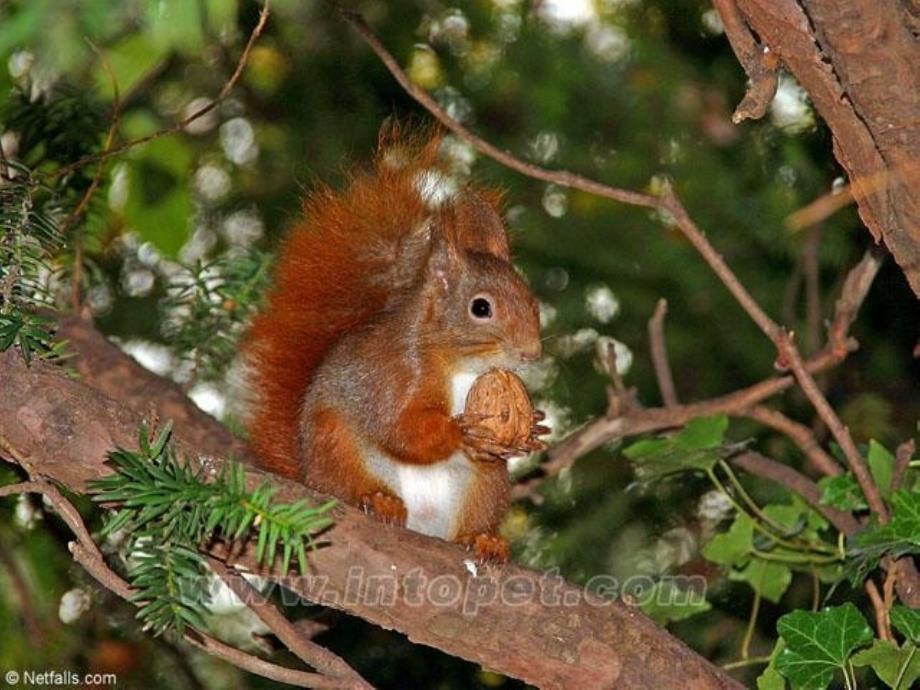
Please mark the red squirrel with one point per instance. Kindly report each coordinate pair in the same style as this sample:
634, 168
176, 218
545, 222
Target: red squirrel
390, 297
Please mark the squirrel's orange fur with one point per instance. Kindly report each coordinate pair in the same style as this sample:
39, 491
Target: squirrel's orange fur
355, 357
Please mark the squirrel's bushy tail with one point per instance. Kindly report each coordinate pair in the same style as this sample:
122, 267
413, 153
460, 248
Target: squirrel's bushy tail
336, 269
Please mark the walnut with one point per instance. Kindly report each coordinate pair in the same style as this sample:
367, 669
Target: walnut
501, 399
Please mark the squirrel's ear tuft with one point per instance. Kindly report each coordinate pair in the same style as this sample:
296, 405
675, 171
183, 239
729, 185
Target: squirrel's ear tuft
412, 145
477, 226
444, 260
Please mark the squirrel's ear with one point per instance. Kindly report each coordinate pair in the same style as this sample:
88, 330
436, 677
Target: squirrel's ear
478, 227
443, 261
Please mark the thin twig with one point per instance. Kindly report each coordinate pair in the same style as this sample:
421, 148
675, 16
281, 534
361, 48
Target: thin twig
76, 280
882, 624
183, 123
767, 468
308, 651
564, 178
811, 268
799, 434
697, 238
659, 351
760, 64
790, 356
87, 553
903, 455
109, 579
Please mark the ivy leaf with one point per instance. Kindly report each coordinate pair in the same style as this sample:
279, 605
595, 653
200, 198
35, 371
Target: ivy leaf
899, 537
770, 580
697, 447
733, 546
667, 602
817, 644
907, 622
842, 492
881, 465
771, 679
897, 667
703, 433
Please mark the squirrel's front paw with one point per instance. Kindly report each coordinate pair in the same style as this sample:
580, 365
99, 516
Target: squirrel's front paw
487, 547
385, 507
536, 430
478, 442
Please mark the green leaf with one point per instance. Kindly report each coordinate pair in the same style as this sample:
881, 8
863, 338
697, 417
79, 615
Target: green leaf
771, 679
907, 622
842, 492
703, 433
697, 447
897, 667
667, 602
899, 537
881, 465
769, 579
817, 644
733, 546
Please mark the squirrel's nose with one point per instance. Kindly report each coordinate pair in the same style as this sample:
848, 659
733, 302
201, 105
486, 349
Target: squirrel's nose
531, 352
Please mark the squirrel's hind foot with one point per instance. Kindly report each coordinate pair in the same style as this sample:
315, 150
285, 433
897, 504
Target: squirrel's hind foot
387, 508
487, 547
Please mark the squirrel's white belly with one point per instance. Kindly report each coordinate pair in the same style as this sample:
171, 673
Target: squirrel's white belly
433, 493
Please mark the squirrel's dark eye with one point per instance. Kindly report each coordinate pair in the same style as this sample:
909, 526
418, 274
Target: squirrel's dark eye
481, 308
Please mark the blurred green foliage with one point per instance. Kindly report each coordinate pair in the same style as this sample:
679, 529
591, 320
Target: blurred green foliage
625, 91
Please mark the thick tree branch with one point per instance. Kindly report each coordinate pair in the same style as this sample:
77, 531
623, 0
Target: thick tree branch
62, 429
857, 59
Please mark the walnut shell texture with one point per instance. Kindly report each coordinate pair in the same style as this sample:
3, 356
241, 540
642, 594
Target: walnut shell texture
501, 400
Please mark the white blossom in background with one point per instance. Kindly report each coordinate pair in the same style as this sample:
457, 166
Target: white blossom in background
556, 278
27, 514
606, 42
558, 419
790, 110
198, 246
230, 619
548, 314
565, 15
148, 255
74, 604
137, 281
242, 227
544, 146
601, 303
623, 356
203, 124
713, 22
579, 341
459, 154
207, 397
20, 64
674, 548
212, 182
555, 201
455, 103
118, 189
714, 506
152, 356
238, 140
540, 375
100, 299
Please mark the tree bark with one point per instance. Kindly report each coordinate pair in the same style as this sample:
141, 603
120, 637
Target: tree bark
60, 428
859, 61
